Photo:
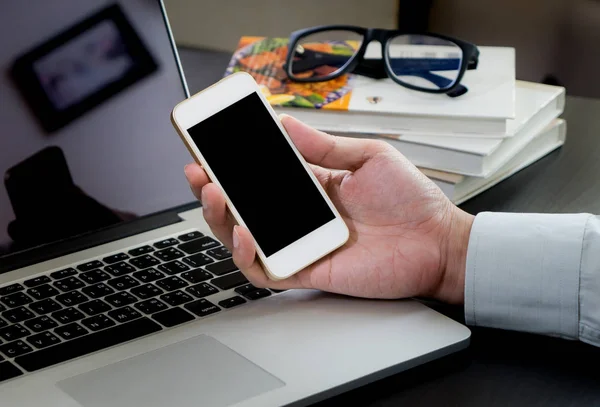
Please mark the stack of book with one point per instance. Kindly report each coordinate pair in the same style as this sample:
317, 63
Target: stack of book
465, 144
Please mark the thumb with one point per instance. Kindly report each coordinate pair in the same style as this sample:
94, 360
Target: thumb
325, 150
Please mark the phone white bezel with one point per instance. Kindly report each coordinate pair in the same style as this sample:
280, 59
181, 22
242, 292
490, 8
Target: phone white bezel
299, 254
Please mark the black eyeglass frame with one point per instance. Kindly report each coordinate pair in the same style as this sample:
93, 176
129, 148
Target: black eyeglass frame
380, 68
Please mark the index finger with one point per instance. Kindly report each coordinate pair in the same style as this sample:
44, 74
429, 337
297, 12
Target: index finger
196, 177
325, 150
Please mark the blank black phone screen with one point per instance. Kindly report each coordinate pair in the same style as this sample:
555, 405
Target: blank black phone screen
261, 174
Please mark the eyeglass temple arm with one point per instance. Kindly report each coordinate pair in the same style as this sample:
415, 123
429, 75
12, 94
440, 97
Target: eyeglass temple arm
313, 59
374, 68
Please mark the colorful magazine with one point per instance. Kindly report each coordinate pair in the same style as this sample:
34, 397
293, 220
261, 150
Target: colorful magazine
263, 58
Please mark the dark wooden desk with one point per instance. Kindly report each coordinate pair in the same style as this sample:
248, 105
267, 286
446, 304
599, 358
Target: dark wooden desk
500, 368
509, 368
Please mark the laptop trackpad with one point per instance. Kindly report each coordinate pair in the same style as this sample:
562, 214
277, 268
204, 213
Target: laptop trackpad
199, 371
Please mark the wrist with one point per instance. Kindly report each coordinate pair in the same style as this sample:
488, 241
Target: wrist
454, 257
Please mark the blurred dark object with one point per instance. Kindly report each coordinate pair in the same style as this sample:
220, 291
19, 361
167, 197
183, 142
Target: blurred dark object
48, 206
413, 15
81, 67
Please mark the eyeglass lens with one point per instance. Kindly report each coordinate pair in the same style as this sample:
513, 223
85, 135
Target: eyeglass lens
424, 61
323, 54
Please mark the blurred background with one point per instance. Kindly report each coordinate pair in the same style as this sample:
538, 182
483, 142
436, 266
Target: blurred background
556, 40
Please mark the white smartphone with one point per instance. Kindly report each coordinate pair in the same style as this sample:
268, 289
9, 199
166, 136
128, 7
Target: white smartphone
232, 131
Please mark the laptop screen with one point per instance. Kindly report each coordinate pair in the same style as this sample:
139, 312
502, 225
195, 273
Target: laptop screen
85, 136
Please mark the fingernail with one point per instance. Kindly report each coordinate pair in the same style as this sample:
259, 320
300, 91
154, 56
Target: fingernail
185, 170
236, 237
203, 199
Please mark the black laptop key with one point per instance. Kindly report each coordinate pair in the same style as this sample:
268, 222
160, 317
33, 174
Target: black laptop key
97, 291
120, 299
119, 269
34, 282
197, 260
144, 261
230, 281
2, 308
57, 275
11, 289
148, 275
43, 291
168, 254
146, 291
245, 289
123, 283
94, 307
176, 298
173, 267
171, 283
141, 250
202, 307
220, 253
90, 265
8, 371
3, 323
13, 332
71, 331
124, 314
16, 300
115, 258
150, 306
202, 290
88, 344
166, 243
197, 276
17, 314
71, 283
98, 322
190, 236
232, 302
94, 276
40, 324
172, 317
258, 294
43, 340
45, 306
222, 267
199, 245
71, 298
68, 315
16, 348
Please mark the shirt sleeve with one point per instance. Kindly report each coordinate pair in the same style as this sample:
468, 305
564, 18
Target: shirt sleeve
537, 273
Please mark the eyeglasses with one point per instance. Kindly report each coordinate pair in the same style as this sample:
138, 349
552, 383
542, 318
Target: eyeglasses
430, 63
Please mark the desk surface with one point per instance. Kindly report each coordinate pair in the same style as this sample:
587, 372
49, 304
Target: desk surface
500, 368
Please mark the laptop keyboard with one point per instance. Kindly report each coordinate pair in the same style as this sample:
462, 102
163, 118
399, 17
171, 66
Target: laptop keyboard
74, 311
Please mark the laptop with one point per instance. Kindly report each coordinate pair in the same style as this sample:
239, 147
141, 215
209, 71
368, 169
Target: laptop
113, 291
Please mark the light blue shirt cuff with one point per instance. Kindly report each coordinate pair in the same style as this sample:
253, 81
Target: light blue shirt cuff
523, 272
589, 284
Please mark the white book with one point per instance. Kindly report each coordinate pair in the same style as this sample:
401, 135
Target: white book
459, 188
480, 156
485, 108
533, 100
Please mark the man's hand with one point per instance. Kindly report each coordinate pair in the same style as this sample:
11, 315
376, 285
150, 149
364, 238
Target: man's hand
406, 238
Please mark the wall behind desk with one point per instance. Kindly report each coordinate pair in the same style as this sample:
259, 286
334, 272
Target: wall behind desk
218, 25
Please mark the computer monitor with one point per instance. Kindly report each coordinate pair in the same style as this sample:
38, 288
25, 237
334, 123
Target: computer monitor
86, 141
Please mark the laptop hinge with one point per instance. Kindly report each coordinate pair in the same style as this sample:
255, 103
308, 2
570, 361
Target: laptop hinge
61, 248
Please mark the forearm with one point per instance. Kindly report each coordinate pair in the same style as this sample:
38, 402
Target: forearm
535, 273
